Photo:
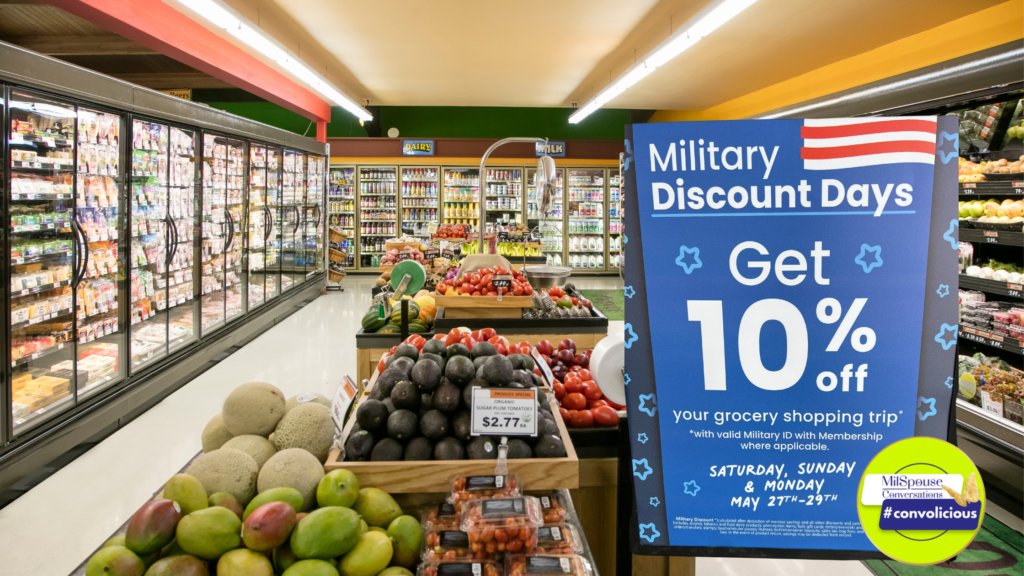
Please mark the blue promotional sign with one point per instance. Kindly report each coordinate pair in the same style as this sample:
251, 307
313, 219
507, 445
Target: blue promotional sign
417, 147
791, 309
553, 149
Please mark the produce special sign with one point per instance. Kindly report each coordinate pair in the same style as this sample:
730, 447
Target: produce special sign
791, 310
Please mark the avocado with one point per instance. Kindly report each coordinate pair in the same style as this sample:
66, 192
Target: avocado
447, 398
467, 395
426, 403
387, 450
426, 374
498, 371
404, 363
387, 380
569, 287
482, 448
546, 427
549, 447
460, 425
518, 449
457, 350
479, 361
409, 351
516, 360
480, 374
434, 425
403, 425
481, 349
374, 394
449, 449
390, 404
406, 396
359, 445
435, 347
538, 381
419, 448
438, 360
542, 399
523, 377
460, 369
515, 384
372, 415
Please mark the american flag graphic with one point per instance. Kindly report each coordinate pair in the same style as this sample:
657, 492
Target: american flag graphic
837, 143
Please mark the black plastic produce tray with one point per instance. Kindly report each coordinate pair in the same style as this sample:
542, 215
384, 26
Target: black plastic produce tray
594, 325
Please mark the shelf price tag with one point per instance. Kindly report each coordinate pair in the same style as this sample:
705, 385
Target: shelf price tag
402, 256
545, 370
431, 253
343, 397
504, 412
448, 254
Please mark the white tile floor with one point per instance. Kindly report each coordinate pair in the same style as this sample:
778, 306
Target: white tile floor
51, 529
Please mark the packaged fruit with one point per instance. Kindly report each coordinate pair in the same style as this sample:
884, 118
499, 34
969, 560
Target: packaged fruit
551, 508
572, 565
481, 487
558, 540
457, 568
443, 516
503, 524
447, 545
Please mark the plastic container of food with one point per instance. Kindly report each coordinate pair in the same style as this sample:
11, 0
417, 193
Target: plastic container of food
482, 487
460, 568
449, 545
503, 524
443, 516
551, 507
558, 540
529, 565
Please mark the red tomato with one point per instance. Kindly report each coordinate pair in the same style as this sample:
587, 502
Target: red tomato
439, 336
489, 333
582, 419
524, 344
453, 337
474, 279
606, 416
468, 342
537, 371
498, 340
381, 367
574, 401
565, 415
575, 368
592, 391
416, 340
585, 374
501, 349
392, 351
545, 347
557, 387
614, 405
442, 288
476, 335
572, 385
591, 404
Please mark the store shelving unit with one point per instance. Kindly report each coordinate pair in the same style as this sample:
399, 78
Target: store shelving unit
461, 196
503, 198
421, 190
224, 176
312, 213
551, 226
585, 220
378, 212
613, 238
341, 207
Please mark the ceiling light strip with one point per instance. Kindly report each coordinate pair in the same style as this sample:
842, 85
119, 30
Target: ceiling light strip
700, 26
223, 16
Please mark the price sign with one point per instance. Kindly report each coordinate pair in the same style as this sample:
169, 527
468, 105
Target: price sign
502, 236
343, 398
448, 254
402, 256
782, 304
545, 370
504, 412
502, 281
431, 253
536, 236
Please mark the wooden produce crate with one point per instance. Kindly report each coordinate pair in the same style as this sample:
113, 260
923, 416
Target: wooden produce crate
394, 245
585, 332
436, 475
483, 306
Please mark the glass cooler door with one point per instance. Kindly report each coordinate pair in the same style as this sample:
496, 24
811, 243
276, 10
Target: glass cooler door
99, 217
183, 203
378, 212
419, 201
223, 175
341, 209
550, 225
614, 239
149, 239
234, 274
293, 197
586, 219
314, 212
274, 216
258, 223
44, 265
462, 196
504, 198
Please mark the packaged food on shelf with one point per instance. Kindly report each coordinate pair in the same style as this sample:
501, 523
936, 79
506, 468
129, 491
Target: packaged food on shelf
551, 509
519, 516
567, 565
558, 540
460, 568
443, 516
481, 487
447, 545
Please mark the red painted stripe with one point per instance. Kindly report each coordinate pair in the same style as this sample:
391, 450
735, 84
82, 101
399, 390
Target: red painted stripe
867, 149
867, 128
157, 25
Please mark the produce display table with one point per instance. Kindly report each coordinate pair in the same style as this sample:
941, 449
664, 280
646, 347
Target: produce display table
370, 347
585, 332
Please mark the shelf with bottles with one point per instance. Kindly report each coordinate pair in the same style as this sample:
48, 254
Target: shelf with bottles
411, 214
614, 244
588, 261
378, 182
378, 202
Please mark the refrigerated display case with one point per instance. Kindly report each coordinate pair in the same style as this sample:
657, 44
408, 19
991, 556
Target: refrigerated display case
224, 176
614, 224
313, 216
293, 234
258, 226
585, 219
461, 196
378, 211
503, 198
420, 192
341, 213
272, 255
550, 224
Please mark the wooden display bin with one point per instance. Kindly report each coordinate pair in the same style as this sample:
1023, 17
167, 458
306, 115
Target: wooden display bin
394, 245
483, 306
437, 475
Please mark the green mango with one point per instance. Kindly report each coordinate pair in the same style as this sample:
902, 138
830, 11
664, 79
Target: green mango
311, 568
369, 556
377, 507
283, 494
114, 561
325, 533
209, 533
406, 535
338, 488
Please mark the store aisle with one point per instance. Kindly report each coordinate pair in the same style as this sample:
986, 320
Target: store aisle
55, 526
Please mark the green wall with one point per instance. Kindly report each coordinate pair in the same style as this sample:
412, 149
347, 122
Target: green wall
439, 121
